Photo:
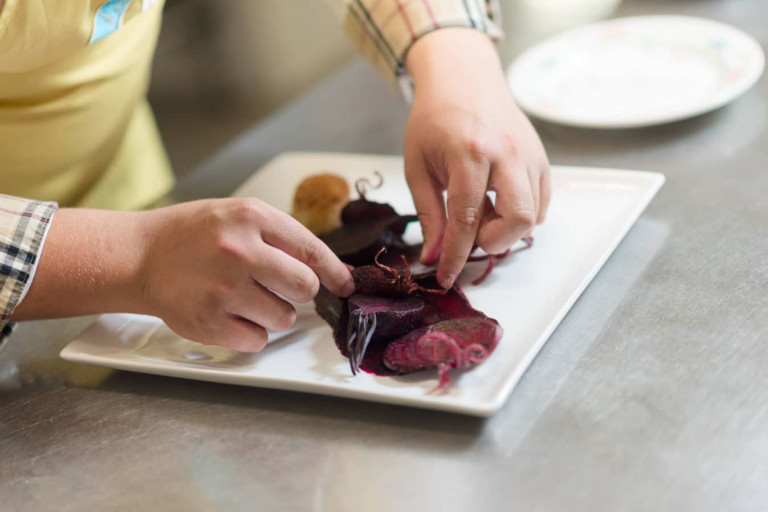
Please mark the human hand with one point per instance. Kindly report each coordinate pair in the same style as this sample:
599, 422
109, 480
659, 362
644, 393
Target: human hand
213, 270
466, 135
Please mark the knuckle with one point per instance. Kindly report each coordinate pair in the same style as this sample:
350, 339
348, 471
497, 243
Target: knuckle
454, 262
231, 249
257, 334
313, 251
285, 319
510, 145
257, 342
220, 293
306, 287
429, 221
478, 149
496, 246
468, 217
524, 219
241, 334
545, 165
217, 333
261, 335
249, 210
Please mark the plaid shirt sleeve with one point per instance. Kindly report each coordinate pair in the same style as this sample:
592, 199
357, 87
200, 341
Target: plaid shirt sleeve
384, 30
23, 227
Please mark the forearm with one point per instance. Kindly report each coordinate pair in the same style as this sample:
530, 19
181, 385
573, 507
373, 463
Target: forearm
91, 263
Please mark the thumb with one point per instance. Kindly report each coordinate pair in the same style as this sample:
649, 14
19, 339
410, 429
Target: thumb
430, 206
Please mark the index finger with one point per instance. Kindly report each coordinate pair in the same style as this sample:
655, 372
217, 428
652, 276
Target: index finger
466, 196
287, 234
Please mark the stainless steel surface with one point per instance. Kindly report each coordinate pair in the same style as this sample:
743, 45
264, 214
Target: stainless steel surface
651, 395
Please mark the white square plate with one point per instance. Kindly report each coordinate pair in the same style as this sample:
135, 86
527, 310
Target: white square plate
528, 293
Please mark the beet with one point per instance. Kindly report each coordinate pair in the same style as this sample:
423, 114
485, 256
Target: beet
404, 355
364, 326
366, 227
455, 343
362, 210
399, 321
395, 317
373, 280
357, 244
389, 281
375, 318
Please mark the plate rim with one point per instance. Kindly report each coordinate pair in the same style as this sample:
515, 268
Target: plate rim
752, 76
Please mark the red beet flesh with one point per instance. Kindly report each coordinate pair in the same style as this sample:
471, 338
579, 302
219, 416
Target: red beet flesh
456, 343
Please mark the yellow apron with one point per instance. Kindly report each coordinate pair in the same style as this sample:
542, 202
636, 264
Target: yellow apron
75, 126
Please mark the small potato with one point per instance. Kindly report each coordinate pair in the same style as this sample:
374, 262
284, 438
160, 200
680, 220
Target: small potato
318, 201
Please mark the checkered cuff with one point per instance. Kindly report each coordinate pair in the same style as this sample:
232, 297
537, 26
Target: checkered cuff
23, 227
384, 30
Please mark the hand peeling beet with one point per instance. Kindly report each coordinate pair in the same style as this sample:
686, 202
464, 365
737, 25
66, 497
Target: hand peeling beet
398, 322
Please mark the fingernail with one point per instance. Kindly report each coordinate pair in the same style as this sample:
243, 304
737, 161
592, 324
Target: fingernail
448, 281
348, 289
349, 267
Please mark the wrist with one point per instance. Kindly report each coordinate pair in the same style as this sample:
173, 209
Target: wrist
445, 56
118, 260
146, 232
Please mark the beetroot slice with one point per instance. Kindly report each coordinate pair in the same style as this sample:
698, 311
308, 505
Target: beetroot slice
419, 350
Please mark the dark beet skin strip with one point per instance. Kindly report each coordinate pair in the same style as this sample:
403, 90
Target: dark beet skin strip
358, 243
362, 210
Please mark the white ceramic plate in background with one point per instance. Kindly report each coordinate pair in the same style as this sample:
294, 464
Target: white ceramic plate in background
632, 72
528, 292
